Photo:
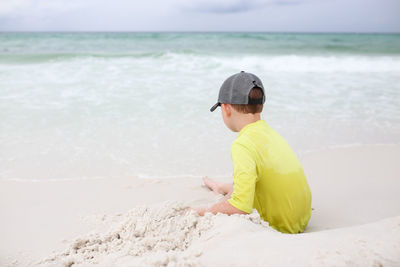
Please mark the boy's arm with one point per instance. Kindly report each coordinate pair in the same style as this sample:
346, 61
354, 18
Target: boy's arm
223, 207
244, 181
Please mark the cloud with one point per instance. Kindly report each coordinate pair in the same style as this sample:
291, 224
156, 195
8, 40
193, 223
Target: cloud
48, 8
17, 8
77, 15
230, 6
221, 6
12, 6
200, 15
288, 2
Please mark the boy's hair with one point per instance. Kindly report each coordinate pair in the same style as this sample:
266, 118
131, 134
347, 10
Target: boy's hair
255, 93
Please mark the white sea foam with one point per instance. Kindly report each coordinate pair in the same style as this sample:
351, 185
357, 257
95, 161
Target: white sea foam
94, 116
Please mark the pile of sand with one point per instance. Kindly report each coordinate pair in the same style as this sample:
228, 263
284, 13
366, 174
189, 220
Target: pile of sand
168, 234
156, 235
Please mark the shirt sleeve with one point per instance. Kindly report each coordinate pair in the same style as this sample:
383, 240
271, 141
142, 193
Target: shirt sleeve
244, 178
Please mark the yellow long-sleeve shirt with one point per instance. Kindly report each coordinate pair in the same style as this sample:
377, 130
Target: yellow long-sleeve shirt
268, 176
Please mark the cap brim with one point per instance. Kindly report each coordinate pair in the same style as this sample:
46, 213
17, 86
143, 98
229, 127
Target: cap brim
215, 106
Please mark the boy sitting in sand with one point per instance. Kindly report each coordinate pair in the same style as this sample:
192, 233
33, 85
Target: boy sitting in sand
267, 175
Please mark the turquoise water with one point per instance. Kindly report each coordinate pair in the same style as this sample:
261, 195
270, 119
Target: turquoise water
87, 105
63, 45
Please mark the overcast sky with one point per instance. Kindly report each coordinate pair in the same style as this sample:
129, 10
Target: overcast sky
201, 15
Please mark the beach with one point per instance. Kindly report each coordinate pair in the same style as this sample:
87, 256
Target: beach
105, 138
355, 218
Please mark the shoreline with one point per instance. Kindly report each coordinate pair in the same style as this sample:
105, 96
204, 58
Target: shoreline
300, 155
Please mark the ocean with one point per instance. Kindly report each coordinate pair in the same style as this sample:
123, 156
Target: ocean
109, 105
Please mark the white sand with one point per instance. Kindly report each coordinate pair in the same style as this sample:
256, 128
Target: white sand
355, 220
147, 235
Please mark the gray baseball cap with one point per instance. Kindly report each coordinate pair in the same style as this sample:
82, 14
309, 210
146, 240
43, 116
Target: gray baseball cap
236, 89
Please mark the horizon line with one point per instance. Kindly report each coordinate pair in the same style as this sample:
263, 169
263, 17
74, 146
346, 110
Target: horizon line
146, 31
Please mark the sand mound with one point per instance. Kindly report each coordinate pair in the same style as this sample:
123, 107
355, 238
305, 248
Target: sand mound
167, 234
157, 235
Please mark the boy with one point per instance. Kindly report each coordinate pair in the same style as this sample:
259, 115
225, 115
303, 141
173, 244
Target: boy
267, 175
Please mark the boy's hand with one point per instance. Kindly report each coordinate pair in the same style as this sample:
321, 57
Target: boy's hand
199, 210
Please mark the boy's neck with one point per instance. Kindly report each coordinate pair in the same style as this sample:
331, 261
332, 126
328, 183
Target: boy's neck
246, 119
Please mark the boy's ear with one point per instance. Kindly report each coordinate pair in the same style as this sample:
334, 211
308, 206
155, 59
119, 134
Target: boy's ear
227, 109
